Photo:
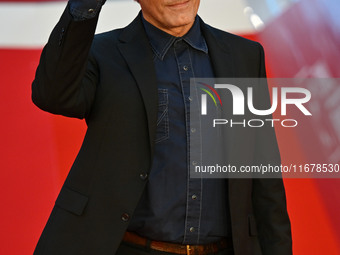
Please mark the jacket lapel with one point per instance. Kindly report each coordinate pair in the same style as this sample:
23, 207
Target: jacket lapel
222, 60
219, 52
137, 52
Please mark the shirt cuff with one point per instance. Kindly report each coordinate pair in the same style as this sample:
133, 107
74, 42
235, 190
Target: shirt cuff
85, 9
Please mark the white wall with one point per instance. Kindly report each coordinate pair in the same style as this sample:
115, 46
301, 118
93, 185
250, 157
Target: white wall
28, 25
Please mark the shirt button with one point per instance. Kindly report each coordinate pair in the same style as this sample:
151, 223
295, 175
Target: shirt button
194, 197
194, 163
185, 68
125, 217
190, 99
192, 229
193, 130
90, 10
143, 176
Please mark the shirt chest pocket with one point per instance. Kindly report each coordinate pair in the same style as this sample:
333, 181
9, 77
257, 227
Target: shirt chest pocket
162, 132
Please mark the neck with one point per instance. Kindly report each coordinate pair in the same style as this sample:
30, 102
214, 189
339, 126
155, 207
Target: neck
174, 31
178, 31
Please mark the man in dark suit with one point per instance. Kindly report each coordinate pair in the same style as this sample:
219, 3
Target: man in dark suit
129, 190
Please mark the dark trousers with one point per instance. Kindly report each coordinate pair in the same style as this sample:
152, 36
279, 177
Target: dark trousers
129, 249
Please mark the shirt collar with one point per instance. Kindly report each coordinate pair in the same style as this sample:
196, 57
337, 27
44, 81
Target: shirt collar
161, 41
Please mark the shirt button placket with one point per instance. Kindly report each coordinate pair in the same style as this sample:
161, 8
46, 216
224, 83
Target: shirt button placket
193, 187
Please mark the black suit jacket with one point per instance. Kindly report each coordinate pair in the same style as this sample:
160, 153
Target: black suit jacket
110, 81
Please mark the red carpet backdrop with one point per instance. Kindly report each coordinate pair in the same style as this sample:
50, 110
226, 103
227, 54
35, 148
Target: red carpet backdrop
37, 149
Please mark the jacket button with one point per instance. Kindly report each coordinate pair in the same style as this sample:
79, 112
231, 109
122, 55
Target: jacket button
125, 217
143, 176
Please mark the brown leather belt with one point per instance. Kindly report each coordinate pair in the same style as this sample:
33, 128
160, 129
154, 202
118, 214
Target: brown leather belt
203, 249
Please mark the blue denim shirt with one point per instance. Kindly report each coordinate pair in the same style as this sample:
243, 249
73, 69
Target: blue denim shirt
174, 207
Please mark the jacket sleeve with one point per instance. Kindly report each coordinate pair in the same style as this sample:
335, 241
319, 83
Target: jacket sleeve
66, 78
269, 199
